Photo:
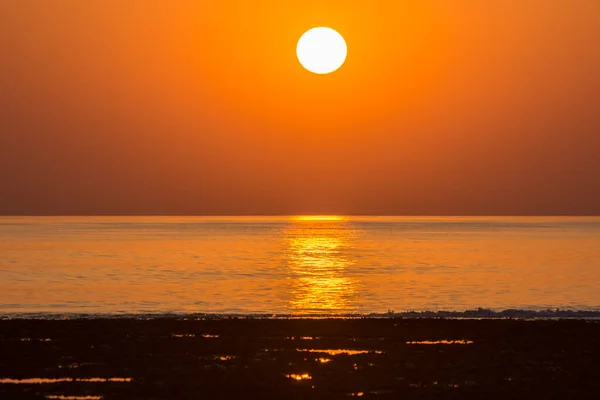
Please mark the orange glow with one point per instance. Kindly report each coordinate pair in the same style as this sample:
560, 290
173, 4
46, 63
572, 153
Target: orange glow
442, 107
268, 85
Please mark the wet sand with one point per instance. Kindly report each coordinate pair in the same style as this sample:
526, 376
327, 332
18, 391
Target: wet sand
299, 359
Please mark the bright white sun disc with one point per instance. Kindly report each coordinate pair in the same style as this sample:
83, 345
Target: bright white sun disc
321, 50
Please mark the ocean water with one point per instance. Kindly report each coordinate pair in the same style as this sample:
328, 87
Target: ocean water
296, 265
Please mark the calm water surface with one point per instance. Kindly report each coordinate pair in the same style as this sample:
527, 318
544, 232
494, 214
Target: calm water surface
299, 266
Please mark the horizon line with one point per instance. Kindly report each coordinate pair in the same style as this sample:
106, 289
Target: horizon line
300, 215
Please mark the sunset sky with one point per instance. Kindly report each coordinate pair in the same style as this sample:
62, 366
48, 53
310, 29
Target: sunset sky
201, 107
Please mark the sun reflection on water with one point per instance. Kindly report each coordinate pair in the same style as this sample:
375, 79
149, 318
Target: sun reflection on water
312, 218
319, 263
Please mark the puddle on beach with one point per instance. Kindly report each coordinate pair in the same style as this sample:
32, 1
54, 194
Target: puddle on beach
301, 338
299, 377
336, 352
373, 392
448, 385
39, 381
191, 335
430, 342
218, 357
378, 392
77, 365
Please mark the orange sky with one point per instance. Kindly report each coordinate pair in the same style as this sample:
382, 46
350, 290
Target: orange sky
198, 107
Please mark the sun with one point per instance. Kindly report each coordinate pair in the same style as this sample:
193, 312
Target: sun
321, 50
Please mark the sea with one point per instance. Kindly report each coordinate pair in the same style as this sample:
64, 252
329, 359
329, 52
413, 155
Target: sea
299, 266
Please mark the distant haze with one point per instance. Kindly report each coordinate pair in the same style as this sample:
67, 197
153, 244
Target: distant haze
198, 107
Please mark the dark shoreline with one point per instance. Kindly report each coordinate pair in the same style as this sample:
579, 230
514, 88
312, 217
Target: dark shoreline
171, 358
478, 313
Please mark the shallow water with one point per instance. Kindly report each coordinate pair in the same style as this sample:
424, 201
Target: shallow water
303, 266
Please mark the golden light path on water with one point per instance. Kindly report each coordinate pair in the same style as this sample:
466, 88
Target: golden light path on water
300, 265
319, 264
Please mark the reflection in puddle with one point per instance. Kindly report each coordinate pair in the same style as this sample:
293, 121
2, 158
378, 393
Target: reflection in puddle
217, 357
299, 377
77, 365
450, 385
35, 380
378, 392
323, 360
38, 381
301, 338
318, 262
61, 397
335, 352
27, 339
441, 342
103, 379
191, 335
358, 394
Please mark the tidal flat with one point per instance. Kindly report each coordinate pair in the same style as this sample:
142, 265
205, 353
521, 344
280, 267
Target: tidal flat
240, 358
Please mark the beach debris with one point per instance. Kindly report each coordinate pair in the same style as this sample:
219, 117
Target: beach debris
431, 342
